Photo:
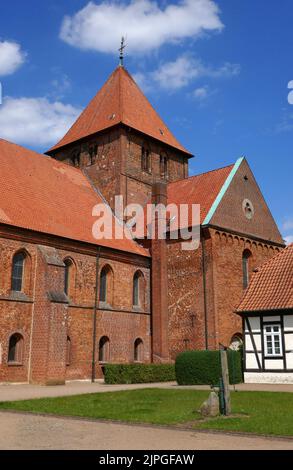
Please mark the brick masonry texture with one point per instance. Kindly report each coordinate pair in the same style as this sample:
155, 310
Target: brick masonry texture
45, 324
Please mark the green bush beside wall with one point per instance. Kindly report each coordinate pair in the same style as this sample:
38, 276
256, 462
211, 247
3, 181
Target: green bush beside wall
138, 373
204, 367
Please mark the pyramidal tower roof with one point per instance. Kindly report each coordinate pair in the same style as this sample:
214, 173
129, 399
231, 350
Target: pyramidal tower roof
119, 101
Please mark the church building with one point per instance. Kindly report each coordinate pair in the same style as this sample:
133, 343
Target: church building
69, 303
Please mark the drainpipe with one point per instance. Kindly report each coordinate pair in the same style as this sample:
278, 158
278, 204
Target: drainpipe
95, 317
205, 292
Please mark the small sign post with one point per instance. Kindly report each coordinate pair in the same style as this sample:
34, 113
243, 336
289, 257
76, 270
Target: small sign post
225, 377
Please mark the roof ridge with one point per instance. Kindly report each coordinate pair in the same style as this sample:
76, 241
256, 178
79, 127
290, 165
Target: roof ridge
203, 173
157, 114
82, 114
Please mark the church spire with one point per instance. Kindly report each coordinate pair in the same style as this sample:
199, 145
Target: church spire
121, 50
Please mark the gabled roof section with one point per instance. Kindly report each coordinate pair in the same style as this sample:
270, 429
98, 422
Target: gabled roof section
202, 189
41, 194
271, 286
119, 101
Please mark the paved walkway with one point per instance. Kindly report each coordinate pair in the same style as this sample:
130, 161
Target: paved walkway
24, 432
24, 391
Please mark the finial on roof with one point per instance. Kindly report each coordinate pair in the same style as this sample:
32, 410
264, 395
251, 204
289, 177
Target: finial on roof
121, 50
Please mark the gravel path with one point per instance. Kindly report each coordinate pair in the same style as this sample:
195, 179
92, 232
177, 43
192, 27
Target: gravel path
23, 432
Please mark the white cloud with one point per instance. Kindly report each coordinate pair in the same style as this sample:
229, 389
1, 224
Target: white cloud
179, 73
147, 25
184, 70
201, 93
35, 121
289, 239
11, 57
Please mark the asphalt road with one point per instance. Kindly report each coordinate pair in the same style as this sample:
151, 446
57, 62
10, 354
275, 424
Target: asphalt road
26, 432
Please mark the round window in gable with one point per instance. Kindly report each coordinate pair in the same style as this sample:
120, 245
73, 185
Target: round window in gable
248, 209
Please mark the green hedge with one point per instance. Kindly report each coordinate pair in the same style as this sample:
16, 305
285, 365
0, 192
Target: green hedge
204, 367
138, 373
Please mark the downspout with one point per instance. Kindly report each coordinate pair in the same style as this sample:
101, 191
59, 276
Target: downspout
95, 317
205, 293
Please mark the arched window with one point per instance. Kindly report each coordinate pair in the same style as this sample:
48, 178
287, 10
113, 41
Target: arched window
67, 275
75, 159
246, 259
138, 290
15, 348
138, 350
145, 159
106, 285
18, 264
164, 166
236, 342
68, 351
104, 349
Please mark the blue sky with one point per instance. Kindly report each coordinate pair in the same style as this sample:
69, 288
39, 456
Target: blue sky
216, 71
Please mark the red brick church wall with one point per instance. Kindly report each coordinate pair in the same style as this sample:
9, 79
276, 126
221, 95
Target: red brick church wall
45, 323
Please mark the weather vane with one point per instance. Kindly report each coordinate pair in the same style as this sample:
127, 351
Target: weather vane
121, 50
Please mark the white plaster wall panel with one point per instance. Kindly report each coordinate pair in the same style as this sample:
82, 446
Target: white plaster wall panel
254, 323
274, 364
248, 342
270, 319
289, 341
251, 362
288, 322
268, 378
289, 360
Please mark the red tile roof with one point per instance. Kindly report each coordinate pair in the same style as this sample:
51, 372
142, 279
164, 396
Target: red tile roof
44, 195
271, 286
120, 100
200, 189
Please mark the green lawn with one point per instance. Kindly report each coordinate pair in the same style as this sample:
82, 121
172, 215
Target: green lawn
263, 412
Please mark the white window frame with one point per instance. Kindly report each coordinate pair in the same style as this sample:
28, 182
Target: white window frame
273, 334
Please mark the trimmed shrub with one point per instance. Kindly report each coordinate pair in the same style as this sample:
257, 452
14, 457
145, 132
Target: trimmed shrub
204, 367
138, 373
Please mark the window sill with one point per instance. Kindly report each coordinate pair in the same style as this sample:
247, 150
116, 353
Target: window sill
16, 296
15, 364
280, 356
105, 305
137, 308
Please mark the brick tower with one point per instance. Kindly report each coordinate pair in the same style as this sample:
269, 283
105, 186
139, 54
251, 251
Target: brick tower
122, 144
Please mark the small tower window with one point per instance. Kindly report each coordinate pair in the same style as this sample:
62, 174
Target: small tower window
18, 264
145, 159
68, 351
138, 290
246, 259
75, 159
164, 166
15, 349
106, 285
104, 349
138, 350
